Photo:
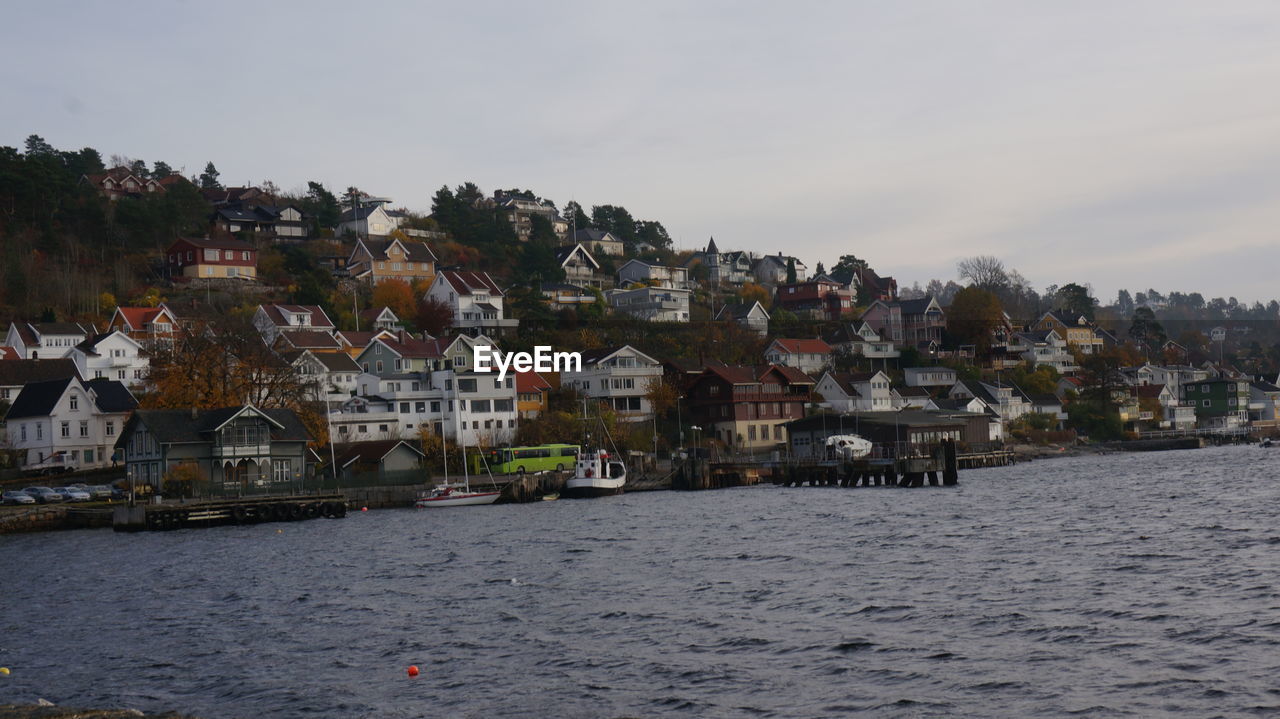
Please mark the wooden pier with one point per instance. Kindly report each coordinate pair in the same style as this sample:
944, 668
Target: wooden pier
245, 510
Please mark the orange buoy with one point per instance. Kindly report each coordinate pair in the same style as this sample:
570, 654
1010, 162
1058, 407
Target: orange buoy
364, 509
413, 670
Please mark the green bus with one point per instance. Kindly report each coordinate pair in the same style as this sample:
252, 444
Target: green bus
518, 460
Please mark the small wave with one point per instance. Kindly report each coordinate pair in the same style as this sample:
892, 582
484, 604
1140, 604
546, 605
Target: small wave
855, 645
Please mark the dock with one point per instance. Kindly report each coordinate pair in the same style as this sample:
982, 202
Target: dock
245, 510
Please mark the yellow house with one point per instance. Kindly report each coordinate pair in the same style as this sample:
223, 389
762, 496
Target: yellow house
531, 394
1079, 333
375, 261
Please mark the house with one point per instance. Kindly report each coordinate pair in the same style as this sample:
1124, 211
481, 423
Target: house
619, 377
912, 398
1007, 400
859, 339
385, 356
580, 268
229, 450
120, 182
816, 299
1159, 407
313, 340
808, 356
901, 433
750, 315
475, 300
384, 460
520, 210
929, 376
369, 220
747, 408
732, 268
114, 355
68, 416
271, 320
639, 272
531, 394
653, 304
331, 374
563, 296
147, 325
874, 286
17, 373
375, 261
278, 222
599, 242
45, 340
207, 258
380, 318
849, 391
1220, 404
907, 323
773, 270
1073, 327
1264, 404
1043, 347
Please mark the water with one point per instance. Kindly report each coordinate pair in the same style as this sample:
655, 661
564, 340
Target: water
1122, 585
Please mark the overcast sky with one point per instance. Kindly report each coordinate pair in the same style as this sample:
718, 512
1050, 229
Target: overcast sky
1120, 144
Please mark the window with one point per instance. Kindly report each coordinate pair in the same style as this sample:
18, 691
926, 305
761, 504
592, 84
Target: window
1206, 403
209, 255
435, 407
282, 470
404, 408
66, 429
111, 429
39, 431
479, 406
502, 405
75, 403
379, 365
84, 429
24, 433
362, 428
466, 385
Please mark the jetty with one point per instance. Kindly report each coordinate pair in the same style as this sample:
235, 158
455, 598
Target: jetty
247, 510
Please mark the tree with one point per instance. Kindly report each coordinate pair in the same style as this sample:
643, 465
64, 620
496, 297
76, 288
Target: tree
984, 272
973, 317
751, 292
1144, 329
1076, 298
662, 395
617, 220
160, 170
209, 178
652, 232
435, 316
1124, 302
576, 215
322, 205
396, 294
818, 270
791, 270
847, 268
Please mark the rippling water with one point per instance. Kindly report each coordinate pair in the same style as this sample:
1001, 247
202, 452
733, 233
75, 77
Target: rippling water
1122, 585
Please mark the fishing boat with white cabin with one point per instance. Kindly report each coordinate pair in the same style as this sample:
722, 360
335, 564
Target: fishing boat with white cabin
595, 475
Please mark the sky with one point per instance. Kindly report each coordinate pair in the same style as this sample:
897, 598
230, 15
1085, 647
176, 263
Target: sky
1119, 144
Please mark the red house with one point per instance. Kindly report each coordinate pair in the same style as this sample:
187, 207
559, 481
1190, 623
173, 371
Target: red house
821, 299
746, 407
212, 258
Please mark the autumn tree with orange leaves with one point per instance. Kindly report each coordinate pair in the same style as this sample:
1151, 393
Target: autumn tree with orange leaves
223, 362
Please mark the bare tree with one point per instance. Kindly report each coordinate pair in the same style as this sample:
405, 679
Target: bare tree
983, 271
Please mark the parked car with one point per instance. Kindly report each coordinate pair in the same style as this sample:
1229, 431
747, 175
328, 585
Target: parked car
72, 494
44, 495
13, 497
101, 491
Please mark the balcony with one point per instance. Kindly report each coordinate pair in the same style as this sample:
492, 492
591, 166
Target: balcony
223, 451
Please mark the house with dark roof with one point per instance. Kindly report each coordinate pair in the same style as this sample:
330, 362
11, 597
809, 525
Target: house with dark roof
580, 267
45, 340
113, 355
1078, 331
816, 299
750, 315
563, 296
640, 273
618, 377
732, 268
119, 182
375, 261
520, 210
369, 220
277, 222
747, 408
1006, 399
907, 323
383, 459
271, 320
69, 417
227, 451
772, 269
475, 299
332, 375
599, 242
859, 339
16, 373
386, 356
212, 258
850, 391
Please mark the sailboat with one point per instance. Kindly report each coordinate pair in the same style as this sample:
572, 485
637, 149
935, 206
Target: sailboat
454, 495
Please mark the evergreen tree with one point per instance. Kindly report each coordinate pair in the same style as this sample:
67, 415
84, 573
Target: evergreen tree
209, 178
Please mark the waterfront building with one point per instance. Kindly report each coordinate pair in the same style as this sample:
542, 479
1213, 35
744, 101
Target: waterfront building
1220, 404
850, 391
70, 417
746, 408
619, 377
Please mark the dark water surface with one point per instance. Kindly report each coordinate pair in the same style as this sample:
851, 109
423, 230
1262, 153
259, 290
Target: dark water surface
1122, 585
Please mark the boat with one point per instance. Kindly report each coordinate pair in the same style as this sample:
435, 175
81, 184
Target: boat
848, 446
595, 475
454, 496
1266, 443
551, 497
